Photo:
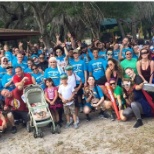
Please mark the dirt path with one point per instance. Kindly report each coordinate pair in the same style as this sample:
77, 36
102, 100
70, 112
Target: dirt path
99, 136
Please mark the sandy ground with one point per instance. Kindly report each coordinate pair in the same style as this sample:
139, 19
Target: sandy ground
99, 136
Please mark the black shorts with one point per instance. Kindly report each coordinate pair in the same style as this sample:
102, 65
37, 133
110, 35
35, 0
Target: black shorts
101, 81
80, 91
20, 115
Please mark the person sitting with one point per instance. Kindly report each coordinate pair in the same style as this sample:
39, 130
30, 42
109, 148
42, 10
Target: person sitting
134, 103
14, 101
97, 94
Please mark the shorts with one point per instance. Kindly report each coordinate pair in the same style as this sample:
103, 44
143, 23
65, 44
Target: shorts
79, 93
69, 109
89, 105
101, 81
20, 115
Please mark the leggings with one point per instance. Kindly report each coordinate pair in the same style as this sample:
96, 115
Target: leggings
135, 109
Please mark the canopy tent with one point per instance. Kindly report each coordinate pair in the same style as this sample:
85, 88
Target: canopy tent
15, 34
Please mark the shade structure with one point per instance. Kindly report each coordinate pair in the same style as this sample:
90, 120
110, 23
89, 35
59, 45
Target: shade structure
15, 34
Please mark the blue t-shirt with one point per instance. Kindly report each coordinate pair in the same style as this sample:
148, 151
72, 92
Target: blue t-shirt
97, 67
124, 51
2, 71
102, 54
6, 78
116, 54
54, 74
85, 58
90, 54
28, 70
22, 65
39, 78
61, 58
78, 68
9, 56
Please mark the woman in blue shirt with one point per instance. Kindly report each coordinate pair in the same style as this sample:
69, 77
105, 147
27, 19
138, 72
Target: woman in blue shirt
38, 76
52, 71
96, 93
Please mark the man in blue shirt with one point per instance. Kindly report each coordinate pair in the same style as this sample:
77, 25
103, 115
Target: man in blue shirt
97, 66
20, 62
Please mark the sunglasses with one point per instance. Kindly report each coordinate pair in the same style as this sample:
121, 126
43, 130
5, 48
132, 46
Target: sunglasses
34, 69
144, 53
128, 53
5, 61
52, 62
109, 54
112, 83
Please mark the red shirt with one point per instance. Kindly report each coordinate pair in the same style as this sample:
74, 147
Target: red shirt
17, 79
16, 101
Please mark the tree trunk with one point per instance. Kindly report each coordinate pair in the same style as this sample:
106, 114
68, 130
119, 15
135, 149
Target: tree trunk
149, 32
121, 28
134, 27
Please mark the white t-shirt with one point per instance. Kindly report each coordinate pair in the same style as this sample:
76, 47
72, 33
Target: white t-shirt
66, 92
72, 79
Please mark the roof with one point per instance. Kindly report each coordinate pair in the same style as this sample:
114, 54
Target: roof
15, 34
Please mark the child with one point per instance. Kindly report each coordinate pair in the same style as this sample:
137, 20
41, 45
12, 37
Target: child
66, 93
72, 79
51, 96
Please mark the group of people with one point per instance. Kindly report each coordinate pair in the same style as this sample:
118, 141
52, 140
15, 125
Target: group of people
73, 77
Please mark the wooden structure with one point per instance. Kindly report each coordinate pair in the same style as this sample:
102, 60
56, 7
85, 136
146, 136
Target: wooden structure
15, 34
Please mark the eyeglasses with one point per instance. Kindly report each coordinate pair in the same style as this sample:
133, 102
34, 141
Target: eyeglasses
112, 83
34, 69
128, 54
144, 53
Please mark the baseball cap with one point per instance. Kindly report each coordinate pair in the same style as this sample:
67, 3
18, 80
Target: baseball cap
68, 67
63, 76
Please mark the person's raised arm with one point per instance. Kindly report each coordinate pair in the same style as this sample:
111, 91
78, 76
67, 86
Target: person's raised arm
72, 40
120, 57
58, 42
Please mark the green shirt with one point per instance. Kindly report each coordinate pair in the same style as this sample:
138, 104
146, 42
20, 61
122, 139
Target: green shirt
129, 63
118, 91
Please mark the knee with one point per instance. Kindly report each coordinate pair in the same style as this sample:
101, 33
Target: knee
133, 104
86, 110
10, 115
108, 104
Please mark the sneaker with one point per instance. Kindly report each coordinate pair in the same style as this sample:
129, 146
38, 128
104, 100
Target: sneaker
112, 116
76, 125
88, 118
138, 123
81, 110
71, 120
104, 115
13, 129
67, 125
77, 120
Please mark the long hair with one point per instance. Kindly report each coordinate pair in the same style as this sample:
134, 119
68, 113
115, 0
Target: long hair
117, 66
148, 51
49, 80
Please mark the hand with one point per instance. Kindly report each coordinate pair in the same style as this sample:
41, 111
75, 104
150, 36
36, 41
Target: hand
52, 102
25, 79
85, 84
94, 105
57, 36
64, 101
63, 45
28, 42
145, 81
121, 46
20, 44
40, 69
69, 35
5, 107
